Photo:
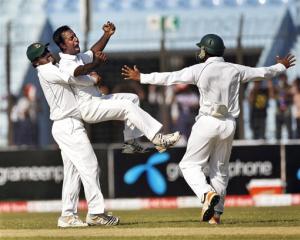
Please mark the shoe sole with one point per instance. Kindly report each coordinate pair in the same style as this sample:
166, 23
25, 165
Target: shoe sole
162, 149
70, 226
209, 213
105, 225
131, 152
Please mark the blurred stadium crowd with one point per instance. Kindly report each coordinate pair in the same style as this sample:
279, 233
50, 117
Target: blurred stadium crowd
254, 31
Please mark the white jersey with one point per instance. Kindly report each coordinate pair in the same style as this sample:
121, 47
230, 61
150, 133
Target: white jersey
58, 93
68, 63
218, 81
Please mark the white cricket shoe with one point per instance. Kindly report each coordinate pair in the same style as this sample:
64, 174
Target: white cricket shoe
164, 141
210, 200
72, 221
102, 219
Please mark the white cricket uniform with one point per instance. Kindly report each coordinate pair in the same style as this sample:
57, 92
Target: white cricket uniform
211, 138
95, 107
79, 159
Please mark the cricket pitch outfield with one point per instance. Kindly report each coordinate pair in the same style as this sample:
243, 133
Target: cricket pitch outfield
238, 223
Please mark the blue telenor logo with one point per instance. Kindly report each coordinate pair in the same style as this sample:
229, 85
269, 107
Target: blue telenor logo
155, 179
298, 174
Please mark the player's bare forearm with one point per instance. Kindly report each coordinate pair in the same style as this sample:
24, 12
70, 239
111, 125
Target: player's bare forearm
84, 69
131, 73
109, 29
101, 43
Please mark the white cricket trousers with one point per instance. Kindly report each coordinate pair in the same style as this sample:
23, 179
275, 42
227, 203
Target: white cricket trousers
209, 145
80, 165
124, 107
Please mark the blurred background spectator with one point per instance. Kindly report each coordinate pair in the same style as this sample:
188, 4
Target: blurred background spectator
258, 104
284, 100
185, 108
24, 117
296, 101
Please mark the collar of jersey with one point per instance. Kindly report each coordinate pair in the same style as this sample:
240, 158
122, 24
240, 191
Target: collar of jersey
67, 56
215, 59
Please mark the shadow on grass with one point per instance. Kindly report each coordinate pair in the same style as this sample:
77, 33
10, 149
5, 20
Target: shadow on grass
267, 221
163, 223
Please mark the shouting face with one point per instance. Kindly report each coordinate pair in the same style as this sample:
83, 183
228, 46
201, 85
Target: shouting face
71, 43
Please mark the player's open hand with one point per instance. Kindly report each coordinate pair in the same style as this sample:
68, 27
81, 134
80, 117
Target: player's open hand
96, 77
109, 28
131, 73
100, 57
287, 61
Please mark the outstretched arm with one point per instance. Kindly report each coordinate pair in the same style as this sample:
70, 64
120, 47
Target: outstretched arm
87, 68
109, 29
260, 73
185, 75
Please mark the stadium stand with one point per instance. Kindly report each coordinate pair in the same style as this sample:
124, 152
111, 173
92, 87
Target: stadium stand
34, 20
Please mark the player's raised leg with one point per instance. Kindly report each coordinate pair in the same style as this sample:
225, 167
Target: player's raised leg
105, 109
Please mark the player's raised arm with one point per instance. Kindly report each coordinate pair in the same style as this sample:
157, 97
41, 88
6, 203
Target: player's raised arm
261, 73
131, 73
109, 29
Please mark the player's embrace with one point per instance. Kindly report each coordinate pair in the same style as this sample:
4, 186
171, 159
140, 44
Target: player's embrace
74, 97
212, 135
96, 107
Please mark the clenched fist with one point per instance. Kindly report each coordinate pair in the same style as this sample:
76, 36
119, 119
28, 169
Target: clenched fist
109, 28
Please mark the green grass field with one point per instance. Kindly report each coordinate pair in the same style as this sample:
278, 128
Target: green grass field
238, 224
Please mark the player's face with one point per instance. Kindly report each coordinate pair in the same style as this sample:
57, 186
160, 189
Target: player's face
71, 43
45, 58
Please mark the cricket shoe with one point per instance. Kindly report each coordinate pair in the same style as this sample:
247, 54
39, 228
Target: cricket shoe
164, 141
211, 199
133, 146
216, 219
72, 221
102, 220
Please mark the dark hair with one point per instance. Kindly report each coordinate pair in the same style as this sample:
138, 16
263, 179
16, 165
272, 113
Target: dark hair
57, 35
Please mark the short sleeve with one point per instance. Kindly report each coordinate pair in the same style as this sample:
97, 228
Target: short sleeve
87, 57
68, 67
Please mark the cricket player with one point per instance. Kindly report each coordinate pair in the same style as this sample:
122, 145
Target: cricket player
95, 107
212, 135
79, 159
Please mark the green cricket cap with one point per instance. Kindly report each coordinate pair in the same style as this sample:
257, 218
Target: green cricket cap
35, 50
